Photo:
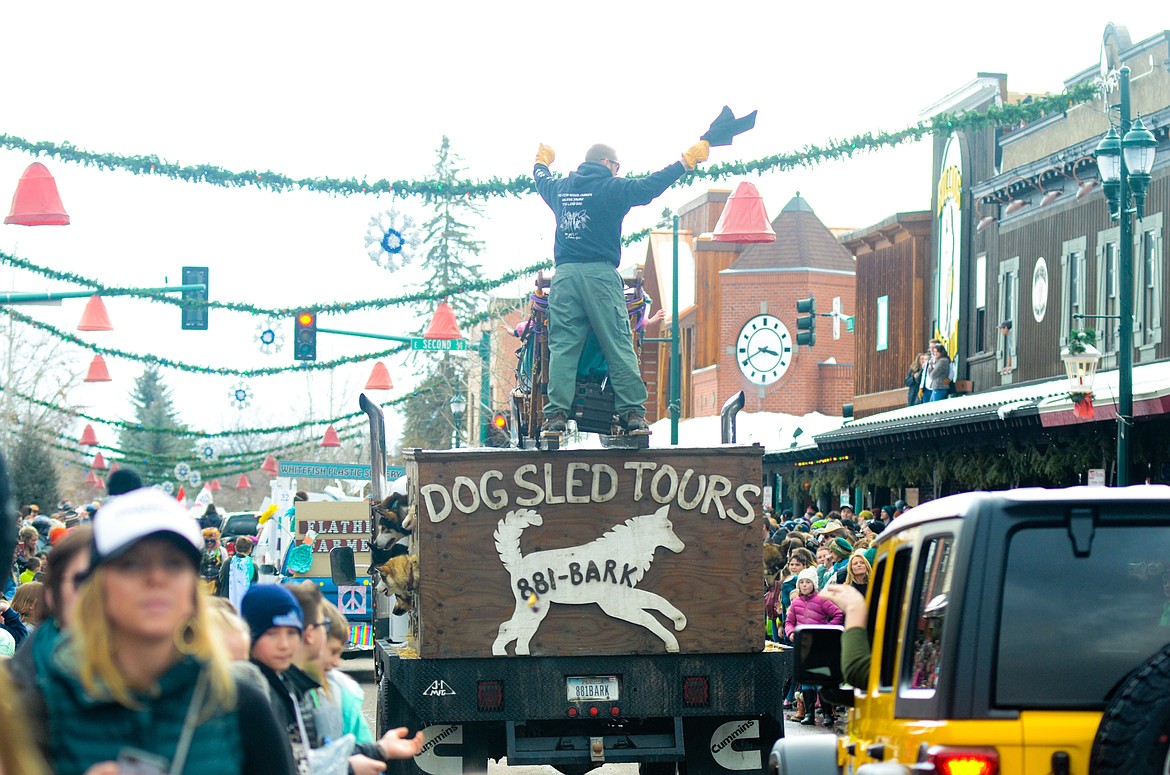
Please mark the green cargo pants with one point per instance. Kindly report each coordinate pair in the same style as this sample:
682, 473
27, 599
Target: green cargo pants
584, 297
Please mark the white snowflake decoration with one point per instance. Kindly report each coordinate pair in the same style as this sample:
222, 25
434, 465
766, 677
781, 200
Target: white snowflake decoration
392, 239
195, 478
182, 471
168, 488
268, 337
241, 396
207, 452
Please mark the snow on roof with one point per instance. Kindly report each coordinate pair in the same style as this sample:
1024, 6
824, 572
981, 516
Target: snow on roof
771, 430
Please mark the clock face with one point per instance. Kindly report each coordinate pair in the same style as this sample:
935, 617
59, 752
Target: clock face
764, 349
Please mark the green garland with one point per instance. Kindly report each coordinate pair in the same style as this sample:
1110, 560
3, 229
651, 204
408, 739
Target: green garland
75, 446
341, 307
187, 433
431, 190
223, 370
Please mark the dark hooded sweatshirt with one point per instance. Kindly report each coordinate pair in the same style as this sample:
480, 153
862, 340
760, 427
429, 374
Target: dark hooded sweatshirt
591, 203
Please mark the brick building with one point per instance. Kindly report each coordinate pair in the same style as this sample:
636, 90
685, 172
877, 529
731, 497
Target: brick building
737, 314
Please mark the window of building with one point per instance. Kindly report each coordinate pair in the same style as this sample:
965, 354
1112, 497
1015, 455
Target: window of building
1147, 305
1108, 302
1072, 288
1009, 303
883, 322
981, 303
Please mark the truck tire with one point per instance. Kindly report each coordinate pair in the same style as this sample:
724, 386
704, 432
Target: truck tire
1134, 735
813, 755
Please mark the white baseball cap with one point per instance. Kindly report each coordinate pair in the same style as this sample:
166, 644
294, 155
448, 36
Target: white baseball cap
127, 519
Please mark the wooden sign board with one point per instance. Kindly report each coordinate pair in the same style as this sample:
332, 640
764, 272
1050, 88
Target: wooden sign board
583, 552
337, 523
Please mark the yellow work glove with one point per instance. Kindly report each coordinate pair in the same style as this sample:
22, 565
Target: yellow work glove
696, 153
545, 155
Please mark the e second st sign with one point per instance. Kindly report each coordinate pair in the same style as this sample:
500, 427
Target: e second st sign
588, 551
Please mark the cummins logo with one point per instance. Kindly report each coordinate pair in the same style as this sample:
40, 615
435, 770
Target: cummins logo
725, 754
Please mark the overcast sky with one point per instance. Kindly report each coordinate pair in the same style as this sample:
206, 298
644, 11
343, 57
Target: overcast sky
367, 89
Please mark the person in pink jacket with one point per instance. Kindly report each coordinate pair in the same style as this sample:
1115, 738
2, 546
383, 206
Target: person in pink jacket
808, 607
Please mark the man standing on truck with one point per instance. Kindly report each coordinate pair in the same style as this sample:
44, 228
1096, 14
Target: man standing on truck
587, 293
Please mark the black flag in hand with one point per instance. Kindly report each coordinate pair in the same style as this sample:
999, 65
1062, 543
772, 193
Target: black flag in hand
726, 126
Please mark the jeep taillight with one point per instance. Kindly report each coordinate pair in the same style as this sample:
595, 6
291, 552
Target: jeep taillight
963, 761
490, 695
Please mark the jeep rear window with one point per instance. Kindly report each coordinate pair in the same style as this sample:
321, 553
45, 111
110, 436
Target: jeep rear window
1071, 628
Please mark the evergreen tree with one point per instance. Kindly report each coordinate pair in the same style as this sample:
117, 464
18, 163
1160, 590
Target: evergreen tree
33, 471
153, 452
450, 249
448, 262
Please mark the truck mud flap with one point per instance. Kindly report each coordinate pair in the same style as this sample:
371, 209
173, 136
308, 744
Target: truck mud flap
718, 745
602, 749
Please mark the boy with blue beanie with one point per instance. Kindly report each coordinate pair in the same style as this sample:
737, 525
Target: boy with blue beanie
276, 620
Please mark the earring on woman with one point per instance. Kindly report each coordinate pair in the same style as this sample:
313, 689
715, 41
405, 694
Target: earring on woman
186, 637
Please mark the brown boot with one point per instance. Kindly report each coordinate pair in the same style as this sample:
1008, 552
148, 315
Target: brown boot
800, 710
635, 424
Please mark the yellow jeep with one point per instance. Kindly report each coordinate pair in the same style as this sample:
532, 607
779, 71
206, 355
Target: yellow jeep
1012, 632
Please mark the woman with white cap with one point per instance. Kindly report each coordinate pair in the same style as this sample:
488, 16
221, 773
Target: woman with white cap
142, 682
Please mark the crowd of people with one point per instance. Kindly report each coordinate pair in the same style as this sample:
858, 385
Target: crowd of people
815, 566
122, 657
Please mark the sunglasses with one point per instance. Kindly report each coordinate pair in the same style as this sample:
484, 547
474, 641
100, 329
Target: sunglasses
617, 167
323, 624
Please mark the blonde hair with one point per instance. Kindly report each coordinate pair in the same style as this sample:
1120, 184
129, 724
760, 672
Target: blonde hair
18, 753
338, 624
849, 577
99, 673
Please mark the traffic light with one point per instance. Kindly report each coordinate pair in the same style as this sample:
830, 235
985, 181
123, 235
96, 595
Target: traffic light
195, 302
499, 431
305, 335
806, 323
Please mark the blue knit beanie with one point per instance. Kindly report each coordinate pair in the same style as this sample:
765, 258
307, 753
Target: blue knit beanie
270, 605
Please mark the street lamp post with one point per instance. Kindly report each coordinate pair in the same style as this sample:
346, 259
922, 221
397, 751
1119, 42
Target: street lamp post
458, 407
1125, 162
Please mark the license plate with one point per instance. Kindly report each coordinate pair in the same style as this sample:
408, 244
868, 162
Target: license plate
590, 688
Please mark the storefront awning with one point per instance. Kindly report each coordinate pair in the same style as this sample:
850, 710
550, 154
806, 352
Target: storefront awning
1042, 404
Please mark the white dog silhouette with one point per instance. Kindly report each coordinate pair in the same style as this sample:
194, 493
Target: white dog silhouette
604, 571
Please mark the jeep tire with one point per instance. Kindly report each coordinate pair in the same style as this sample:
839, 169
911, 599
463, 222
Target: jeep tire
1134, 735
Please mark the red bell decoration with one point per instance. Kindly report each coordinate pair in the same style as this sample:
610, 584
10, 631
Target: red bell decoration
91, 479
36, 201
443, 324
95, 317
269, 466
88, 437
330, 439
379, 378
113, 466
1083, 406
99, 462
97, 370
101, 483
243, 483
743, 218
214, 486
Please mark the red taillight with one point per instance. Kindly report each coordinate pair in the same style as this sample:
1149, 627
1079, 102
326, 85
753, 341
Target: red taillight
964, 761
615, 711
490, 695
572, 713
696, 692
594, 712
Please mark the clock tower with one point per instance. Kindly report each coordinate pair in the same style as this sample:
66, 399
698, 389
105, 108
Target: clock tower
758, 295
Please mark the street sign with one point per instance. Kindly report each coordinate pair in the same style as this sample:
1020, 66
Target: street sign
418, 343
333, 470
